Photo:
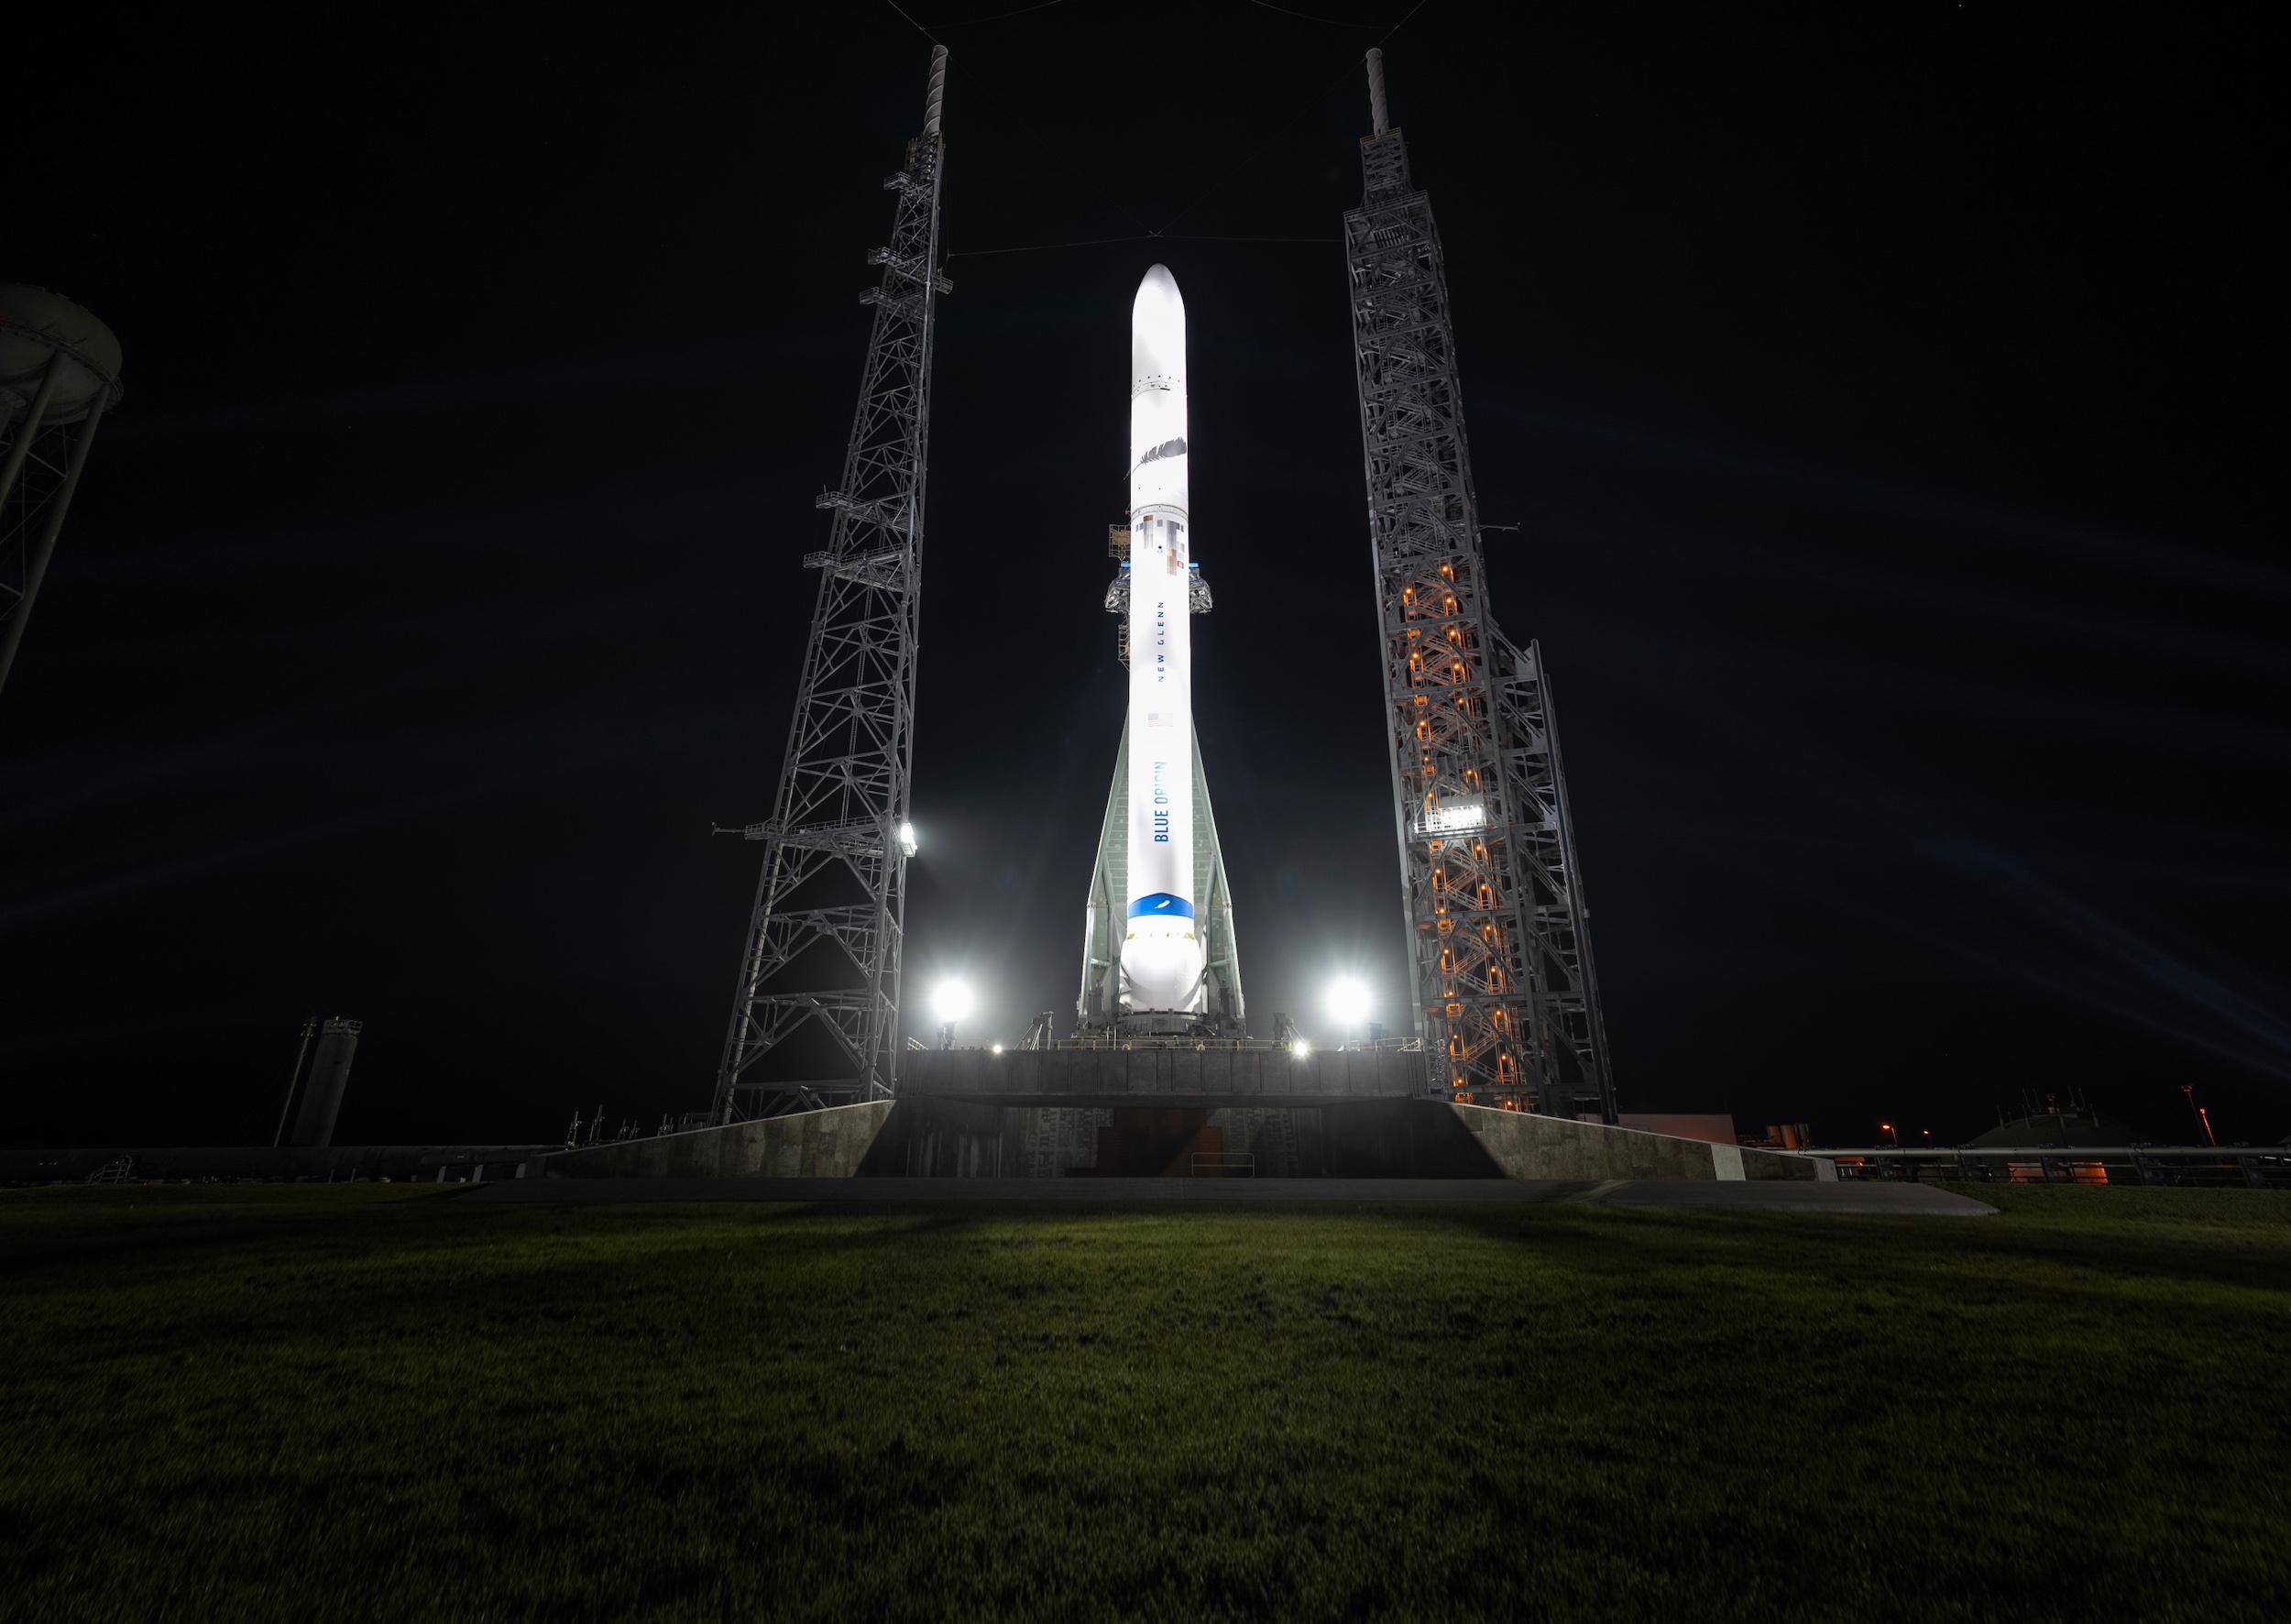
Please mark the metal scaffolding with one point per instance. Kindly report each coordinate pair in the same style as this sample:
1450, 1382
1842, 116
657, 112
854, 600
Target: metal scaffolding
827, 925
1491, 888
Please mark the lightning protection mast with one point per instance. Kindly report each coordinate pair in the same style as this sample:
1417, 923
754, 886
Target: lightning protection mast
1507, 998
824, 936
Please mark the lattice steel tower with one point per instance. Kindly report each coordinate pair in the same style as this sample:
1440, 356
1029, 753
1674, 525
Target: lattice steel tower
58, 372
824, 933
1507, 997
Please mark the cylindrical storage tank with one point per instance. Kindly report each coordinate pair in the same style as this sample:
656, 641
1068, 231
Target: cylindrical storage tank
37, 328
330, 1075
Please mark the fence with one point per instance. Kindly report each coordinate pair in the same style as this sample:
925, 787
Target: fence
2257, 1166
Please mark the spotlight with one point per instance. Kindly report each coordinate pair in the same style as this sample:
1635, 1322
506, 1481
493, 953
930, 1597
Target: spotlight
906, 839
951, 1000
1449, 820
1348, 1002
1300, 1049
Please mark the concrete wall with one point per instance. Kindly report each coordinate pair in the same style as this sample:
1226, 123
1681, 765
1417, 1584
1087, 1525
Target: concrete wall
1525, 1146
1372, 1138
1158, 1076
1398, 1139
913, 1138
831, 1144
1281, 1143
1716, 1129
950, 1140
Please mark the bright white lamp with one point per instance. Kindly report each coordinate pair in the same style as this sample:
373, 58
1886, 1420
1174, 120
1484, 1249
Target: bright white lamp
1348, 1000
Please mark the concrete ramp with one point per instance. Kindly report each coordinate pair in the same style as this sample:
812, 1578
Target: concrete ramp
1171, 1123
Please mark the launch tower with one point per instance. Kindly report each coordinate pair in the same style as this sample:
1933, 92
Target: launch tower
828, 922
1507, 1000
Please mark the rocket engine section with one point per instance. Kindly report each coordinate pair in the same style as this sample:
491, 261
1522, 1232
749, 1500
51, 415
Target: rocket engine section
1163, 960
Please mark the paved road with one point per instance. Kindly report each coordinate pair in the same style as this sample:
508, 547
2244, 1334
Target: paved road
1919, 1199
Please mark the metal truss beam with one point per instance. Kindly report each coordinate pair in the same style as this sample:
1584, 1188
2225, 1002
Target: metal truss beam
827, 927
1506, 996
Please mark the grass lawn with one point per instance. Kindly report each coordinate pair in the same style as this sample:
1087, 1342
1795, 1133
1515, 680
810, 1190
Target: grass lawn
398, 1402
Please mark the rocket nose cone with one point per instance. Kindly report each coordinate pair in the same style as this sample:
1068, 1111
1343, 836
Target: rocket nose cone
1157, 297
1157, 324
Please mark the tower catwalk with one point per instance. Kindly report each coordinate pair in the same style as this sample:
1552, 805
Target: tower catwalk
829, 921
1506, 991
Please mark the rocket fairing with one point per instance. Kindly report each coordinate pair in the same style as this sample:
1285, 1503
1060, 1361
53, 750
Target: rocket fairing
1163, 961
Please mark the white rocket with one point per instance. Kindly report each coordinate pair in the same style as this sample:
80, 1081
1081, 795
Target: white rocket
1162, 956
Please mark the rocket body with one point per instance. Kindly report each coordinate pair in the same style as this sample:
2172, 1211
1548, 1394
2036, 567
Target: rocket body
1163, 960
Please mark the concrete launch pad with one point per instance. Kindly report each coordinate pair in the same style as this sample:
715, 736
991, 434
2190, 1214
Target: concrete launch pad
1768, 1196
1067, 1116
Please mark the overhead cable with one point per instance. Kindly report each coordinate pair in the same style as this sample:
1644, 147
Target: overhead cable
1144, 237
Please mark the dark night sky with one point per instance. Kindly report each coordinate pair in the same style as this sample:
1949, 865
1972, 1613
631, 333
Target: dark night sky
1878, 389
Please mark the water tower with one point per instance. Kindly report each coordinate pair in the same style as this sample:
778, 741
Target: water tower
58, 371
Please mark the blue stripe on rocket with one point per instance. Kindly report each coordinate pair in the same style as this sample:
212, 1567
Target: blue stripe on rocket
1162, 905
